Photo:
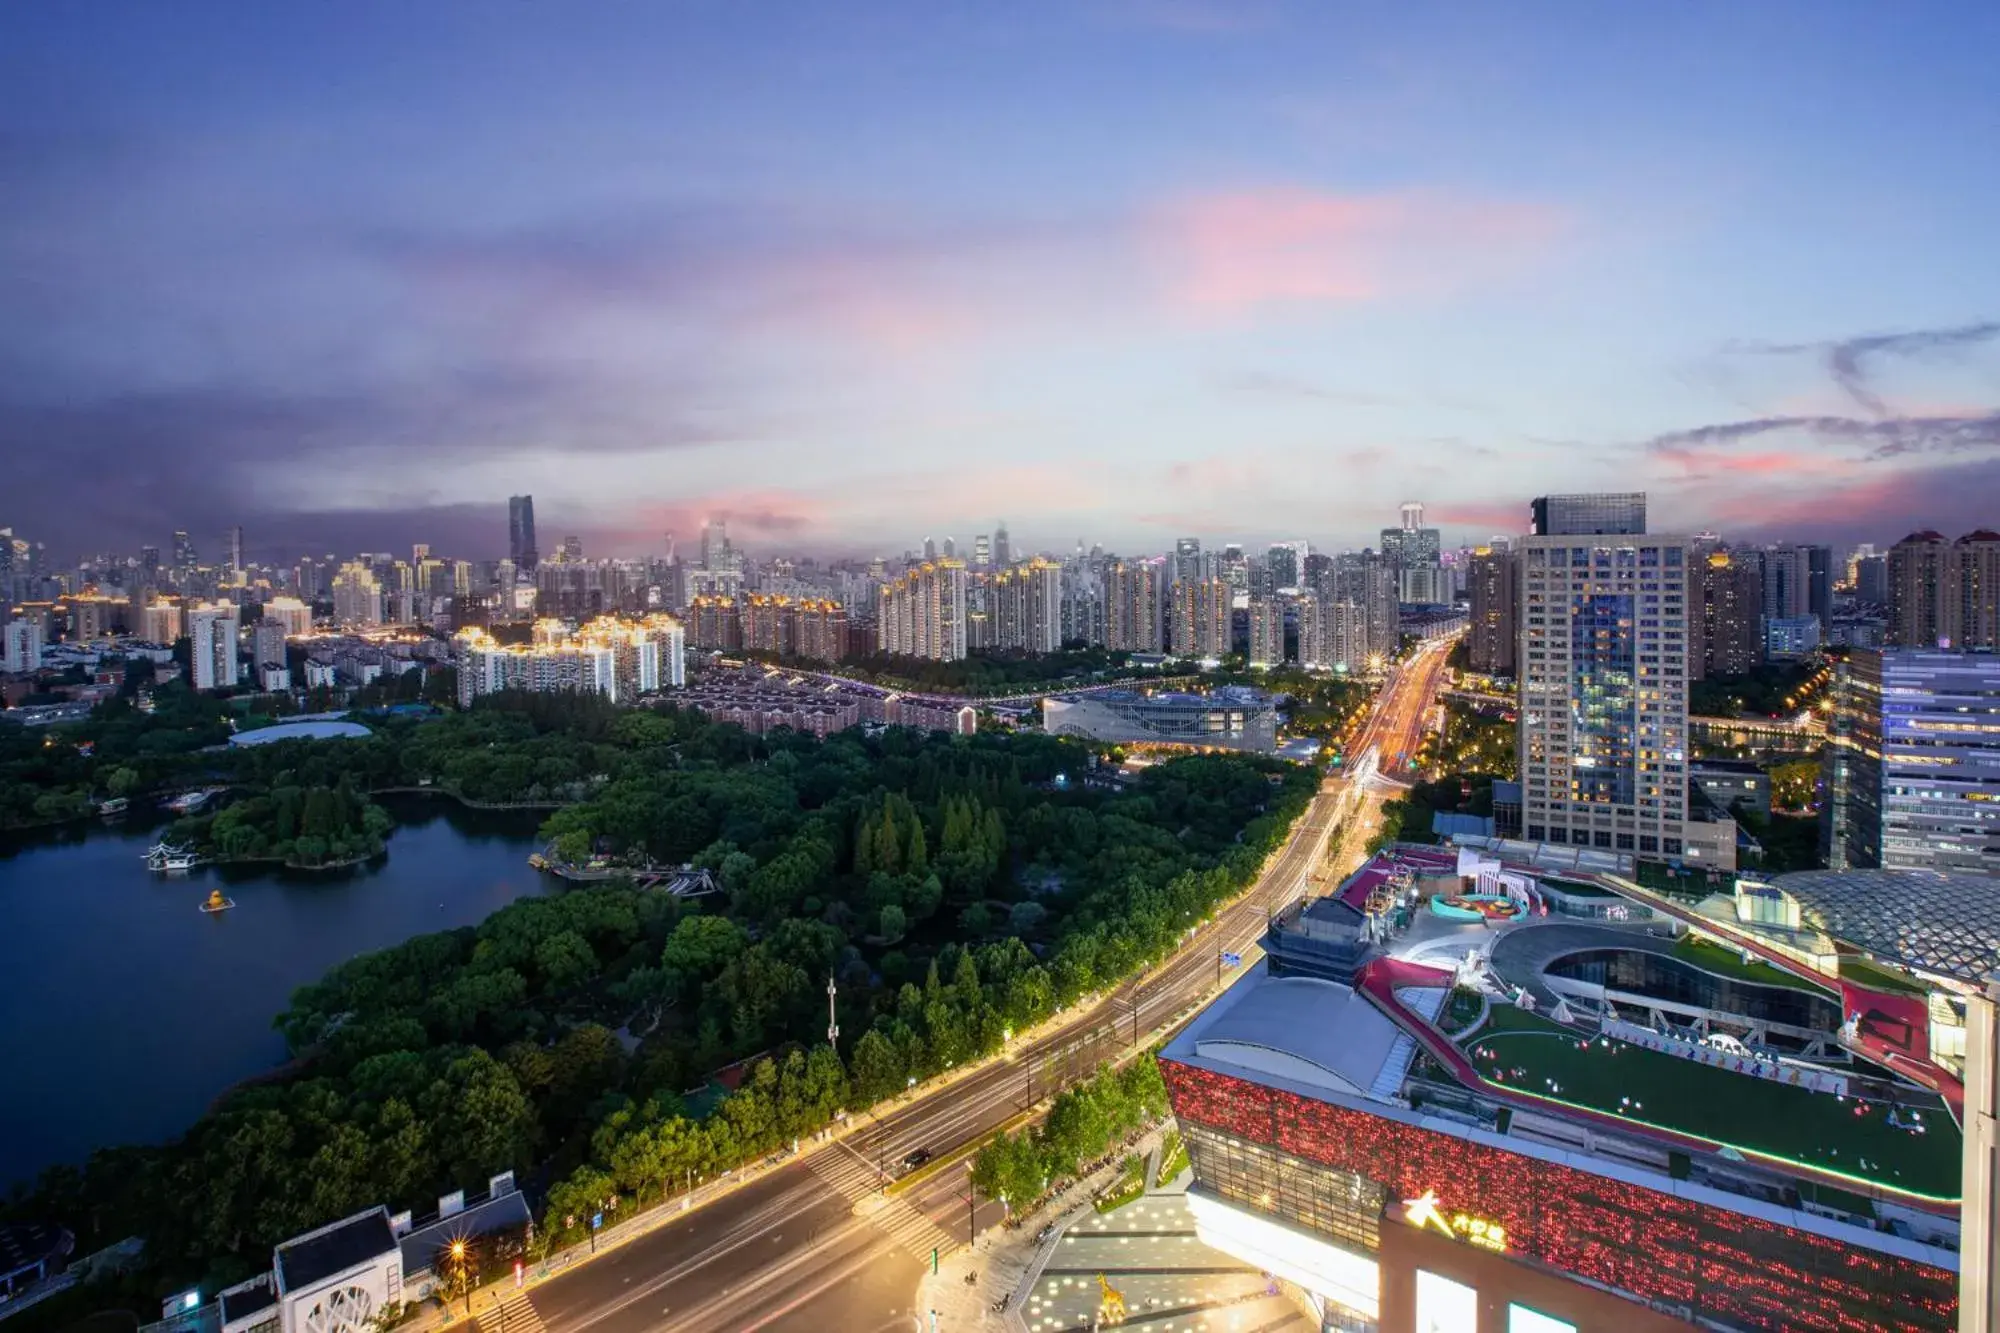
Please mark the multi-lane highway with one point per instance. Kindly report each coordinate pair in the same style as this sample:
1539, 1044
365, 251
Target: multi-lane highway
819, 1244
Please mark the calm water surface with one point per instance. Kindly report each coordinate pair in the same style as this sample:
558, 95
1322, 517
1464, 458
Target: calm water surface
124, 1010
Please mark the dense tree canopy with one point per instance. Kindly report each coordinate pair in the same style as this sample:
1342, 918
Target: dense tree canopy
951, 886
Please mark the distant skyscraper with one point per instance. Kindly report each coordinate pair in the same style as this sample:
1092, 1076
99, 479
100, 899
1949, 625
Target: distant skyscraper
1003, 550
1909, 782
1201, 617
1871, 580
212, 633
183, 551
1974, 610
572, 549
1413, 515
1596, 514
930, 548
1603, 663
23, 640
982, 552
521, 548
236, 552
1132, 603
1267, 631
1725, 616
923, 613
149, 560
1919, 583
1496, 590
950, 548
357, 597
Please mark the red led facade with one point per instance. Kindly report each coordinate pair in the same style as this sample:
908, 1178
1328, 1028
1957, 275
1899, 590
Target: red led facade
1717, 1264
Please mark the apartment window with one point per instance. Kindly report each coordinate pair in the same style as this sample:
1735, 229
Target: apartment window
1603, 837
1648, 843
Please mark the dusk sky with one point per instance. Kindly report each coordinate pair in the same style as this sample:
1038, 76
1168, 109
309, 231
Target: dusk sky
350, 274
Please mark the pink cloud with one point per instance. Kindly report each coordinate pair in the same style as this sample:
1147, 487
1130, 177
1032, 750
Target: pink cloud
1239, 250
1484, 514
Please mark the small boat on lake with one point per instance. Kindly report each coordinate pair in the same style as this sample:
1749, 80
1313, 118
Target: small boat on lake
190, 801
215, 902
114, 807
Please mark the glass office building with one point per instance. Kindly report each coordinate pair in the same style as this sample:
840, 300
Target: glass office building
1603, 663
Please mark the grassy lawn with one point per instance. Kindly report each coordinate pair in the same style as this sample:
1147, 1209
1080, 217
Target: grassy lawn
1130, 1185
1173, 1156
1751, 1114
1862, 972
1729, 963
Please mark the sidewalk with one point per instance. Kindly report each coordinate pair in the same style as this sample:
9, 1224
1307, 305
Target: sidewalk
1007, 1260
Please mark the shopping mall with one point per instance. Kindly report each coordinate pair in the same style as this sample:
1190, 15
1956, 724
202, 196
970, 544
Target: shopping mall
1474, 1092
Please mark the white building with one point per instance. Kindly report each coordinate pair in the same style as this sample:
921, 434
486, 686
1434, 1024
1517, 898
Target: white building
1267, 631
24, 644
212, 631
357, 597
922, 614
161, 622
620, 659
1603, 664
291, 614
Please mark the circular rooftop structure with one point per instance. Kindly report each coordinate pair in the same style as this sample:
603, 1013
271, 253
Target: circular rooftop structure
317, 730
1923, 919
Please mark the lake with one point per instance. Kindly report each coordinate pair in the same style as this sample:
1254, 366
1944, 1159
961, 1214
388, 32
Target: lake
125, 1010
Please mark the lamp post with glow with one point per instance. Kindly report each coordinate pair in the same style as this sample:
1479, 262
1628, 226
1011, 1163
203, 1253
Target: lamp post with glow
458, 1257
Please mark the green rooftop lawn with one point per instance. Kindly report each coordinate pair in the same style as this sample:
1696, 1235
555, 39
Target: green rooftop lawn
1862, 972
1729, 963
1751, 1114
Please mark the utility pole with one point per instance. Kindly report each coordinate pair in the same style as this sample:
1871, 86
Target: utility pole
971, 1210
832, 1023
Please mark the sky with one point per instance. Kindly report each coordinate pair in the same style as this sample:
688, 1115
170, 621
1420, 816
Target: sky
1112, 270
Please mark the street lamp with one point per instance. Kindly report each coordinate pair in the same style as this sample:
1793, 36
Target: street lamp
458, 1257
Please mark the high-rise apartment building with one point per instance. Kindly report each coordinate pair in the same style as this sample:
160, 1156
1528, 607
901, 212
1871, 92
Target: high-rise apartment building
1974, 614
184, 557
1725, 616
1919, 590
23, 642
1912, 762
357, 596
1003, 548
1267, 631
521, 548
1603, 664
291, 615
1201, 618
1871, 580
1333, 635
712, 622
1133, 595
1496, 590
212, 634
1369, 580
982, 552
620, 659
160, 621
1798, 583
1598, 514
1025, 607
923, 613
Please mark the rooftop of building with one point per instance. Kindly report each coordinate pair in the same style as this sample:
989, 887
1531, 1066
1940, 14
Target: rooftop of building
1750, 1120
314, 730
334, 1249
1926, 920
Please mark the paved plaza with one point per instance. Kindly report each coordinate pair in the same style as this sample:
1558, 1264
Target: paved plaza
1172, 1283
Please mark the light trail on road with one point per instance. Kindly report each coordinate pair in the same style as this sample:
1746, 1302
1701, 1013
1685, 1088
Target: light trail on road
790, 1250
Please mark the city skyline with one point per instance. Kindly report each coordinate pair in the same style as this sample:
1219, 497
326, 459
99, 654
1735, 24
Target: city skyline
1252, 271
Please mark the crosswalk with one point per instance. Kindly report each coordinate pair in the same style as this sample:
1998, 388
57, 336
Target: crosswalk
515, 1314
857, 1181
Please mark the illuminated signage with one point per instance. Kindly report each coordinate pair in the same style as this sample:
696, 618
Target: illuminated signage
1423, 1211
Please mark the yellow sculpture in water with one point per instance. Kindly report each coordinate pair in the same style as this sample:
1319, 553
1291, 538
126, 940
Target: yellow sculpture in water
1111, 1308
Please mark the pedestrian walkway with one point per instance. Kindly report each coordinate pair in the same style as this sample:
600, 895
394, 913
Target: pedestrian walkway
514, 1313
859, 1182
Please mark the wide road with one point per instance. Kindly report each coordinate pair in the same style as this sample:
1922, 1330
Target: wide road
817, 1244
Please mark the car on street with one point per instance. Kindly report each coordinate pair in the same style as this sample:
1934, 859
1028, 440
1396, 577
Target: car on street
916, 1158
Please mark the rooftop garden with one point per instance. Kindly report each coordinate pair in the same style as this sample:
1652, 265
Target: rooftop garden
1913, 1147
1724, 962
